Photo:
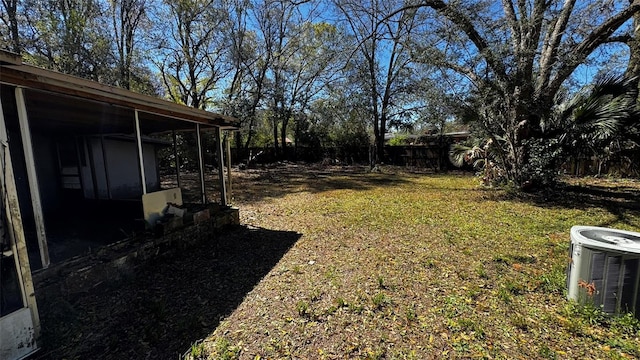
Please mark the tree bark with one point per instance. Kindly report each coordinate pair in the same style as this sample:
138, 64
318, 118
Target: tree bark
11, 7
633, 68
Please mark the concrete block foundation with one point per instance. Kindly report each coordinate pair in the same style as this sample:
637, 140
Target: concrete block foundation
112, 262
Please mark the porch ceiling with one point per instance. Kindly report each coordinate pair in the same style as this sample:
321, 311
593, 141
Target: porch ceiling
60, 114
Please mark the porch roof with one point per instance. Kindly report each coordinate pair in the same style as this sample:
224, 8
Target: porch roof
57, 102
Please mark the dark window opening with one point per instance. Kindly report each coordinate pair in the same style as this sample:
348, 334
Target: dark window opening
10, 294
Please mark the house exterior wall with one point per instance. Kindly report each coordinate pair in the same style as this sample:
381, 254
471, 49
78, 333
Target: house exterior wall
96, 188
47, 169
120, 177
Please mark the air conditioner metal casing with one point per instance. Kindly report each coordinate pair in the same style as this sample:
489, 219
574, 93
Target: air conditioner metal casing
605, 268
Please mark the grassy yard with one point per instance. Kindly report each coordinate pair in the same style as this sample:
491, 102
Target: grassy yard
395, 265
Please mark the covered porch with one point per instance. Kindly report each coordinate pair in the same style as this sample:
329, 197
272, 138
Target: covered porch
91, 171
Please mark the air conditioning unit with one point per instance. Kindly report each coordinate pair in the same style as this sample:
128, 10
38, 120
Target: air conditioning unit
605, 268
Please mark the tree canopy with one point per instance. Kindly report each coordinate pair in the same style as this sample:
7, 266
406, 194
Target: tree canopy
517, 58
307, 69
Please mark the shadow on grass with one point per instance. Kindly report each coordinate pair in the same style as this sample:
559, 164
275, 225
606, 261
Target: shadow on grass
167, 304
620, 201
254, 185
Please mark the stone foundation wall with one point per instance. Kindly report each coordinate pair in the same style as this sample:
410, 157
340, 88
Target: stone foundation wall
110, 263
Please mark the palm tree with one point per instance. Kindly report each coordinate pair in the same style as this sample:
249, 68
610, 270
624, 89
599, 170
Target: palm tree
600, 121
482, 155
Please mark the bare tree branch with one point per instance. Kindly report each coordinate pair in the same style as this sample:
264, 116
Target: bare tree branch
592, 41
510, 12
552, 42
466, 26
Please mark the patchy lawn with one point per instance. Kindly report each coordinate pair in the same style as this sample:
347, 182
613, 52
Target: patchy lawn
338, 263
412, 266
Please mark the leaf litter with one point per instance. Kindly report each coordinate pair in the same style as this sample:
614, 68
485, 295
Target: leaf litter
337, 262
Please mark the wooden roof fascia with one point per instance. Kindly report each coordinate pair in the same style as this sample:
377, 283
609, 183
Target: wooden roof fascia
155, 113
40, 79
7, 57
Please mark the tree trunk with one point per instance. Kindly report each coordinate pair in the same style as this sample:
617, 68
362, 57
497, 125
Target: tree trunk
275, 135
283, 132
250, 131
380, 138
12, 8
633, 68
238, 140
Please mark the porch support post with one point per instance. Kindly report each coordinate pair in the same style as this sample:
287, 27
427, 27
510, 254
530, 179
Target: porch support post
14, 222
175, 155
79, 160
223, 188
140, 157
105, 162
92, 166
201, 164
32, 177
228, 143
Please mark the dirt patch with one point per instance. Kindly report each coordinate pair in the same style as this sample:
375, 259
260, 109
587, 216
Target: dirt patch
164, 306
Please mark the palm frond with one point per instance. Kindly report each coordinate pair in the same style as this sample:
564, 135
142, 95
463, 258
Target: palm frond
599, 113
475, 154
457, 154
